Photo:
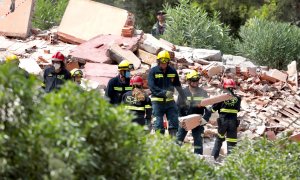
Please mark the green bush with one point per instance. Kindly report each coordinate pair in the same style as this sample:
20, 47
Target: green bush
163, 159
269, 43
189, 25
21, 152
263, 159
48, 13
75, 134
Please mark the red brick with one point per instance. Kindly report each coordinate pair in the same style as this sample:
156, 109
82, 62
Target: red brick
190, 122
216, 99
295, 137
271, 135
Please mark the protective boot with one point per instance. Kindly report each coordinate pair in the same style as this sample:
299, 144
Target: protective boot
172, 132
217, 147
230, 146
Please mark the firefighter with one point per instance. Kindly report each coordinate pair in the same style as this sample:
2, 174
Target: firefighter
56, 75
194, 96
76, 75
227, 121
119, 85
138, 102
162, 80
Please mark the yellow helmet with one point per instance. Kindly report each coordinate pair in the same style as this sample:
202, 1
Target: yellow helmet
124, 65
193, 75
76, 72
163, 56
11, 58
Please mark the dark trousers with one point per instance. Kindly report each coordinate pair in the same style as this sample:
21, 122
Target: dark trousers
197, 135
159, 109
226, 126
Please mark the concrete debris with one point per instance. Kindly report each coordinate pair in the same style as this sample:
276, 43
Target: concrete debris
16, 23
78, 26
189, 122
118, 54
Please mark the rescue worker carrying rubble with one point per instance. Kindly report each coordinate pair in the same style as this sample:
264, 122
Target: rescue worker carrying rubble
162, 80
119, 85
56, 75
227, 121
194, 96
77, 75
138, 102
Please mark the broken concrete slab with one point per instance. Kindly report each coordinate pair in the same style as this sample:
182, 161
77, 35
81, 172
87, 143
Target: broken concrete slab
18, 22
293, 74
207, 54
146, 57
276, 74
78, 26
118, 54
152, 45
167, 43
100, 73
31, 66
95, 50
100, 70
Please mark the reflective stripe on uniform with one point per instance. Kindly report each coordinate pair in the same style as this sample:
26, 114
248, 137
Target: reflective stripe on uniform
212, 110
128, 88
171, 75
135, 108
161, 99
118, 88
196, 98
229, 110
159, 76
147, 106
231, 139
220, 136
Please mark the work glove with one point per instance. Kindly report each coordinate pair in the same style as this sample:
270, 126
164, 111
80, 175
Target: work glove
169, 94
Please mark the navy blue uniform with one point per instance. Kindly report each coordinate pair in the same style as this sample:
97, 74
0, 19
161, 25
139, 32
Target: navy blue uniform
159, 83
141, 109
193, 101
227, 124
53, 80
116, 89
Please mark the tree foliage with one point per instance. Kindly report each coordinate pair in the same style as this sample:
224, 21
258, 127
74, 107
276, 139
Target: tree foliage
263, 159
269, 43
233, 13
283, 11
190, 25
48, 13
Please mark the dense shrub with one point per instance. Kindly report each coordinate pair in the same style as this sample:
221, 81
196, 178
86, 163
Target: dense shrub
263, 159
269, 43
189, 25
165, 160
21, 153
74, 134
48, 13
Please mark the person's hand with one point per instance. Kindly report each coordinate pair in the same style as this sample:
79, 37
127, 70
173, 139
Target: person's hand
169, 94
